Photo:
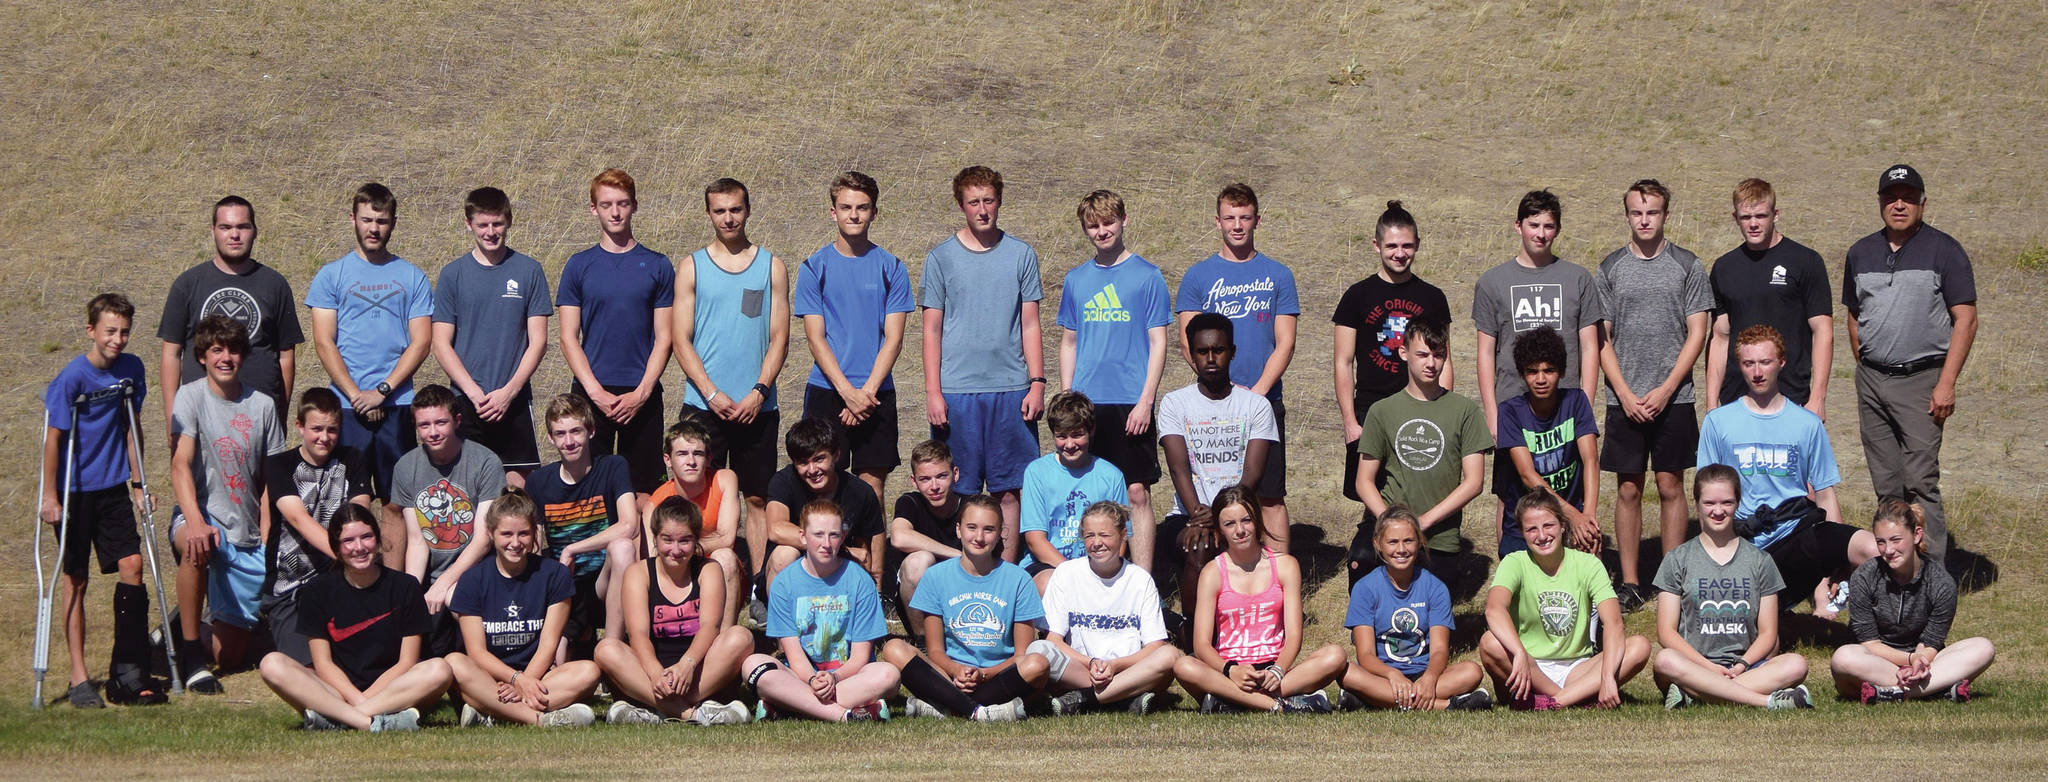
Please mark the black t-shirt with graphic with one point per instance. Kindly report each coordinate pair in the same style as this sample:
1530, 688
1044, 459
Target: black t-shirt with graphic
291, 559
363, 627
1380, 311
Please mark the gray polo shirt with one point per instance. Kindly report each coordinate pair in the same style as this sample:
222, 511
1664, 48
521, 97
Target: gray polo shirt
1901, 299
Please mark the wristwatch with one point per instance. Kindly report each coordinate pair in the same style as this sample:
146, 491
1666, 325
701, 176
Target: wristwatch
1037, 380
767, 391
383, 388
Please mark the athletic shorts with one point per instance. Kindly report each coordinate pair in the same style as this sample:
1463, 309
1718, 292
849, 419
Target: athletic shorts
444, 633
283, 615
102, 521
991, 441
640, 440
871, 446
1557, 671
750, 450
510, 437
1273, 482
381, 443
1668, 443
586, 610
1137, 455
1808, 555
234, 584
1362, 403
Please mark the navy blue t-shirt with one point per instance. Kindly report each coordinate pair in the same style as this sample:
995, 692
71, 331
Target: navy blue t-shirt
513, 608
618, 294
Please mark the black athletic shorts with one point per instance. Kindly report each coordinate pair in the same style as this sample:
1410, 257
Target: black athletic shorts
510, 437
1137, 455
1273, 482
1667, 443
872, 444
1808, 555
103, 521
639, 440
750, 450
586, 610
444, 633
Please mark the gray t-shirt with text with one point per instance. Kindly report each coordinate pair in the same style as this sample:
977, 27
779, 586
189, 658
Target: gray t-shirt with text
1718, 604
1510, 299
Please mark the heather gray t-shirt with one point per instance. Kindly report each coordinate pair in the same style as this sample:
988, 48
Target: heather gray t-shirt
982, 295
1718, 604
446, 497
1511, 298
232, 437
1647, 301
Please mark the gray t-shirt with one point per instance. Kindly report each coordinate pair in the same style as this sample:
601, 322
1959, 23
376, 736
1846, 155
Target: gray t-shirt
1511, 298
489, 306
1646, 301
232, 438
446, 497
1718, 604
982, 295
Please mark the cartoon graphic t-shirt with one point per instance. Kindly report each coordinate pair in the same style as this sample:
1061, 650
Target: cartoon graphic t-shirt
1055, 496
446, 498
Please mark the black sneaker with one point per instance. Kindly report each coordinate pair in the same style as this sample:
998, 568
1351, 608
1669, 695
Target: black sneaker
1631, 597
83, 696
1477, 700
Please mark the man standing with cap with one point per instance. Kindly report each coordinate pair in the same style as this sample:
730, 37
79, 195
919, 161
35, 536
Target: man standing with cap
1914, 305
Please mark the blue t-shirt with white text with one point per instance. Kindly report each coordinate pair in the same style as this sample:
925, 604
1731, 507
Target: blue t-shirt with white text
1054, 497
1778, 456
514, 608
1110, 309
980, 613
1251, 293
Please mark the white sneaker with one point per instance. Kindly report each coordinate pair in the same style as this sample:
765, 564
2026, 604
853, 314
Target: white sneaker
1001, 712
575, 715
714, 713
397, 721
625, 713
914, 708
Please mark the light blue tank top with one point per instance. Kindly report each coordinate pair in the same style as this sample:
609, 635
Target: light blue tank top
731, 328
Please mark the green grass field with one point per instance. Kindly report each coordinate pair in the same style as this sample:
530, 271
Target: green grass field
126, 120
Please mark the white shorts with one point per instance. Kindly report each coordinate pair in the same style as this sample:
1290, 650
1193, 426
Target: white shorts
1557, 671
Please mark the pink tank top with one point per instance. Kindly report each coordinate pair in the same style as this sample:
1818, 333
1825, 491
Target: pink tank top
1248, 626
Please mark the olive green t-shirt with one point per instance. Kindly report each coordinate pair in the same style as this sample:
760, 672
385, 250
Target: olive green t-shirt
1419, 446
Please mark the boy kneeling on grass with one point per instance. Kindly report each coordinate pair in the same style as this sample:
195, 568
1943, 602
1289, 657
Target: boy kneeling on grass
825, 618
979, 624
1105, 632
1539, 612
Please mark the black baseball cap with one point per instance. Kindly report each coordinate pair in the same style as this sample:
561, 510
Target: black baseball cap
1900, 174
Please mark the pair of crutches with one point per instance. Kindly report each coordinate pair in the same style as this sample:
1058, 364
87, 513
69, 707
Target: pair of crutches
46, 587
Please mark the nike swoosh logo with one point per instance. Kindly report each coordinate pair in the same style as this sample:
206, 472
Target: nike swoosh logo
340, 634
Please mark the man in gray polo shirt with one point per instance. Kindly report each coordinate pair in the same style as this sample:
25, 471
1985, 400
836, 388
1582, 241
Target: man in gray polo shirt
1914, 305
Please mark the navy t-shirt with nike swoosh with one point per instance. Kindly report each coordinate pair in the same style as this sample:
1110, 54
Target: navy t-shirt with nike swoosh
363, 627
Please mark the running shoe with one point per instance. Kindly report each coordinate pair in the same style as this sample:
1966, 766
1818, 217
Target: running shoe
1072, 702
317, 721
1476, 700
626, 713
872, 711
575, 715
399, 721
1012, 711
1790, 698
1675, 698
914, 708
1871, 694
1630, 595
1140, 705
1349, 701
471, 718
1959, 692
711, 713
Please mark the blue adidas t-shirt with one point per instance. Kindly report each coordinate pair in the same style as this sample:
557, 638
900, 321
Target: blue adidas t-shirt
980, 612
372, 303
854, 295
827, 616
1400, 619
512, 608
1055, 496
1778, 455
1110, 309
1251, 294
618, 294
102, 427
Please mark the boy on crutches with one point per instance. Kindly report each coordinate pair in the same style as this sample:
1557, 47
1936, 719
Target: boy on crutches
86, 461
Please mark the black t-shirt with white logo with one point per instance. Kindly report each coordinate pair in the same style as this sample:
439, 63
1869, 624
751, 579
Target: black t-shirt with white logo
363, 626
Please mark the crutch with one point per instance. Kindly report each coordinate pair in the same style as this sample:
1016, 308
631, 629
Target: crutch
47, 588
163, 606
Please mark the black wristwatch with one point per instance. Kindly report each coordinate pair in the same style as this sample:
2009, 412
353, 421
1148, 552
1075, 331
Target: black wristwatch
767, 391
1037, 380
383, 388
136, 485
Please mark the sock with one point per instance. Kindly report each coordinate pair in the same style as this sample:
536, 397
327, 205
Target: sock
1001, 688
131, 627
934, 687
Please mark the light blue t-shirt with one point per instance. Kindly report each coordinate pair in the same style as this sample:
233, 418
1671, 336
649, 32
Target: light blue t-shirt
982, 295
1778, 456
1251, 294
102, 451
1054, 497
855, 296
1400, 619
826, 615
489, 305
980, 612
730, 327
1110, 309
618, 294
372, 304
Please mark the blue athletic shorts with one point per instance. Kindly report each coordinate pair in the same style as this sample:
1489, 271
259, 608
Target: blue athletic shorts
991, 441
234, 584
